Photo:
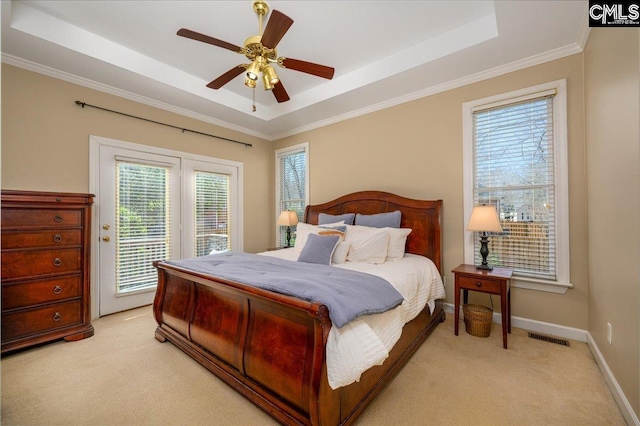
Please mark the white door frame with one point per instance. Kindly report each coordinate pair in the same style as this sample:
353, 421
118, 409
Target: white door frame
94, 172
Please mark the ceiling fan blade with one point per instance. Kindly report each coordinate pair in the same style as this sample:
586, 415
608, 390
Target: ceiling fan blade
279, 92
276, 28
183, 32
309, 68
226, 77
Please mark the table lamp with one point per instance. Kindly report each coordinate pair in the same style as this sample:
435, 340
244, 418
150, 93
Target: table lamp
288, 218
484, 219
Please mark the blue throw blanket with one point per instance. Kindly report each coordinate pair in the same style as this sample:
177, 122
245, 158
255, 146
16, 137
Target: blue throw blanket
347, 294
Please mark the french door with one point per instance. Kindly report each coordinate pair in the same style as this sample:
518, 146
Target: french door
210, 219
155, 206
139, 223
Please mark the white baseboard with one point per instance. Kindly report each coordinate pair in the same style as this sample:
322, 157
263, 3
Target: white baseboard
623, 403
574, 334
536, 326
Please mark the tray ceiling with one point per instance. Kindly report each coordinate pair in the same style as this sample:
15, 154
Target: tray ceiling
384, 52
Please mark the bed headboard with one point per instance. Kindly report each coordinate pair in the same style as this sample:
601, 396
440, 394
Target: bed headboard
423, 216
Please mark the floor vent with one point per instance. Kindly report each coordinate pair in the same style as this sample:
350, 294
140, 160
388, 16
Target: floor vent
550, 339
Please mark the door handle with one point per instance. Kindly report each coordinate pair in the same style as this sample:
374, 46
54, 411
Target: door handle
106, 239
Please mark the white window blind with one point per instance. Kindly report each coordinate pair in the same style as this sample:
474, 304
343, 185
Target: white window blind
144, 220
513, 162
292, 186
212, 213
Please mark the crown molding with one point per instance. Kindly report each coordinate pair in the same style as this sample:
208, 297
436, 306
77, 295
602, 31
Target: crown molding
583, 32
551, 55
81, 81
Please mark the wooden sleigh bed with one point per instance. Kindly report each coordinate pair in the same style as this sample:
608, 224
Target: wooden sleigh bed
271, 347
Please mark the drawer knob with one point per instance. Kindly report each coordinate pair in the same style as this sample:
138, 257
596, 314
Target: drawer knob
57, 290
57, 238
478, 284
57, 218
57, 261
57, 316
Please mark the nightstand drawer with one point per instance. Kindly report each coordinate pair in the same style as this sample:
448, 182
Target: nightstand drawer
488, 286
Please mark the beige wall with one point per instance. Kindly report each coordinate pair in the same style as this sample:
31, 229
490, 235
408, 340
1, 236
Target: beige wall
612, 106
415, 150
45, 142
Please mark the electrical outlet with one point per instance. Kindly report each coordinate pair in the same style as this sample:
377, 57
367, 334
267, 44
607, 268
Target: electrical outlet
609, 333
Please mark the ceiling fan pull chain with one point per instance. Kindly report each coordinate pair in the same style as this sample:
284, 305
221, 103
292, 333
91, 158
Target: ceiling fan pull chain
253, 107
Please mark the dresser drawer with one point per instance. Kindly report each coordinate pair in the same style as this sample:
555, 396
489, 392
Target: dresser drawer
27, 293
31, 263
33, 321
40, 218
488, 286
44, 238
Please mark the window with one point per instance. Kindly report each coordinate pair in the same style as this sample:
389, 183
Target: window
292, 184
515, 159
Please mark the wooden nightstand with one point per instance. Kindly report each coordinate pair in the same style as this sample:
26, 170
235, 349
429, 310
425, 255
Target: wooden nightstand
496, 281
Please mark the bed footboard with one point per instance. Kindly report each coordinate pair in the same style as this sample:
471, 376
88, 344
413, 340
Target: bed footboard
270, 347
267, 346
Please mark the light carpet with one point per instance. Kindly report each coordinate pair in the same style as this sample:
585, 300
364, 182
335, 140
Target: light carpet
123, 376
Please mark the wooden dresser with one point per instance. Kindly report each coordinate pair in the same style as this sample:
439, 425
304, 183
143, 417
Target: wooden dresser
45, 267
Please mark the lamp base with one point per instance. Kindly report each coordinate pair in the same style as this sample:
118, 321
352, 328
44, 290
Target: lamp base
485, 267
288, 237
484, 252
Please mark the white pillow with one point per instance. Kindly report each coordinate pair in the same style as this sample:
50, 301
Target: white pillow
397, 242
340, 253
304, 229
367, 244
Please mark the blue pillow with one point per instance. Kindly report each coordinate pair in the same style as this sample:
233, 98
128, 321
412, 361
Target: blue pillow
324, 218
318, 249
380, 220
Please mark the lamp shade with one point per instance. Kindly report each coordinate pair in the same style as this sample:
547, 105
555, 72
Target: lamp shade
287, 218
484, 219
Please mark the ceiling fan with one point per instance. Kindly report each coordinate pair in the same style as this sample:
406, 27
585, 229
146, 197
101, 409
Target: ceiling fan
261, 52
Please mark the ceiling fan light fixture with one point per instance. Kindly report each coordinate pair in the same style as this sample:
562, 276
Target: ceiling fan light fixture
271, 75
252, 71
266, 82
250, 83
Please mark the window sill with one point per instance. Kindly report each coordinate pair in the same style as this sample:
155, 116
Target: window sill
540, 285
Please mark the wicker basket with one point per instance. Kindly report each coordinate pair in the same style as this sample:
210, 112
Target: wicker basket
477, 320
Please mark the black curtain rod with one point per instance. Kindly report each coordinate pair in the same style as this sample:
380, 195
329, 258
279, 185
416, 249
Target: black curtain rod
83, 104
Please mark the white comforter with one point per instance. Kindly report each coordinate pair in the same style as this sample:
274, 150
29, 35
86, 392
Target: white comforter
366, 341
